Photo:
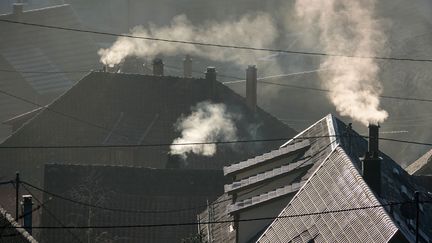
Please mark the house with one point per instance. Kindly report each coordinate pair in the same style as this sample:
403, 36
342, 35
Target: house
141, 196
327, 167
38, 64
11, 231
129, 120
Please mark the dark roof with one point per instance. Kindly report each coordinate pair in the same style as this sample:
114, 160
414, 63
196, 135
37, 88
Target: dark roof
129, 188
9, 234
132, 109
25, 49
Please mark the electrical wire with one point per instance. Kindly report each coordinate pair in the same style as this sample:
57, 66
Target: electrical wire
52, 215
161, 211
213, 44
327, 90
229, 221
58, 112
200, 143
42, 72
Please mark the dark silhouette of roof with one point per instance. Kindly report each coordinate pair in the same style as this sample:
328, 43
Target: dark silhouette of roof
131, 109
129, 188
26, 52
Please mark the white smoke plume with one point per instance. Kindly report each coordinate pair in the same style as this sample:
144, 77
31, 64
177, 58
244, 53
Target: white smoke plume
348, 27
257, 30
208, 122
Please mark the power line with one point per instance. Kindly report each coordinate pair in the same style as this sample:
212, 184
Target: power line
327, 90
57, 112
164, 144
52, 215
214, 44
199, 143
227, 221
42, 72
162, 211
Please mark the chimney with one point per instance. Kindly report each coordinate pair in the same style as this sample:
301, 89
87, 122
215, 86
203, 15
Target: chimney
158, 67
174, 161
27, 212
187, 67
211, 75
372, 162
251, 87
17, 9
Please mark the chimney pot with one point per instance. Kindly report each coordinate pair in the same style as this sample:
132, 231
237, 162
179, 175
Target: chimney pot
27, 212
211, 76
158, 67
17, 9
251, 87
187, 67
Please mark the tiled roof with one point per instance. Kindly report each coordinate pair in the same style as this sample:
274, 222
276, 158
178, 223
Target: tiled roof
266, 157
334, 182
265, 197
136, 109
280, 171
26, 49
335, 185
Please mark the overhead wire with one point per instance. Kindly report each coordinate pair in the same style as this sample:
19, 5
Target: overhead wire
309, 53
52, 215
196, 143
230, 221
161, 211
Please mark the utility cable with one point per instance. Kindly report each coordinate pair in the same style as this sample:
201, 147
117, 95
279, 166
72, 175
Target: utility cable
53, 216
213, 44
158, 211
229, 221
199, 143
327, 90
57, 112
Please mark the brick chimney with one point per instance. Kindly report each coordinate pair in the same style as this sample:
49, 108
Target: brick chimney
158, 67
251, 87
372, 162
187, 67
211, 76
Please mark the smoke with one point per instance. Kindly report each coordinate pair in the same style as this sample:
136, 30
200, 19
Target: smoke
348, 27
257, 30
208, 122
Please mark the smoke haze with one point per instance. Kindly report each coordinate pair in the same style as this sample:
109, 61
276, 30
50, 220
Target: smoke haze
349, 28
208, 122
258, 30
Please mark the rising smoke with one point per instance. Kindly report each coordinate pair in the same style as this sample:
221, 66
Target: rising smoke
208, 122
258, 30
348, 27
